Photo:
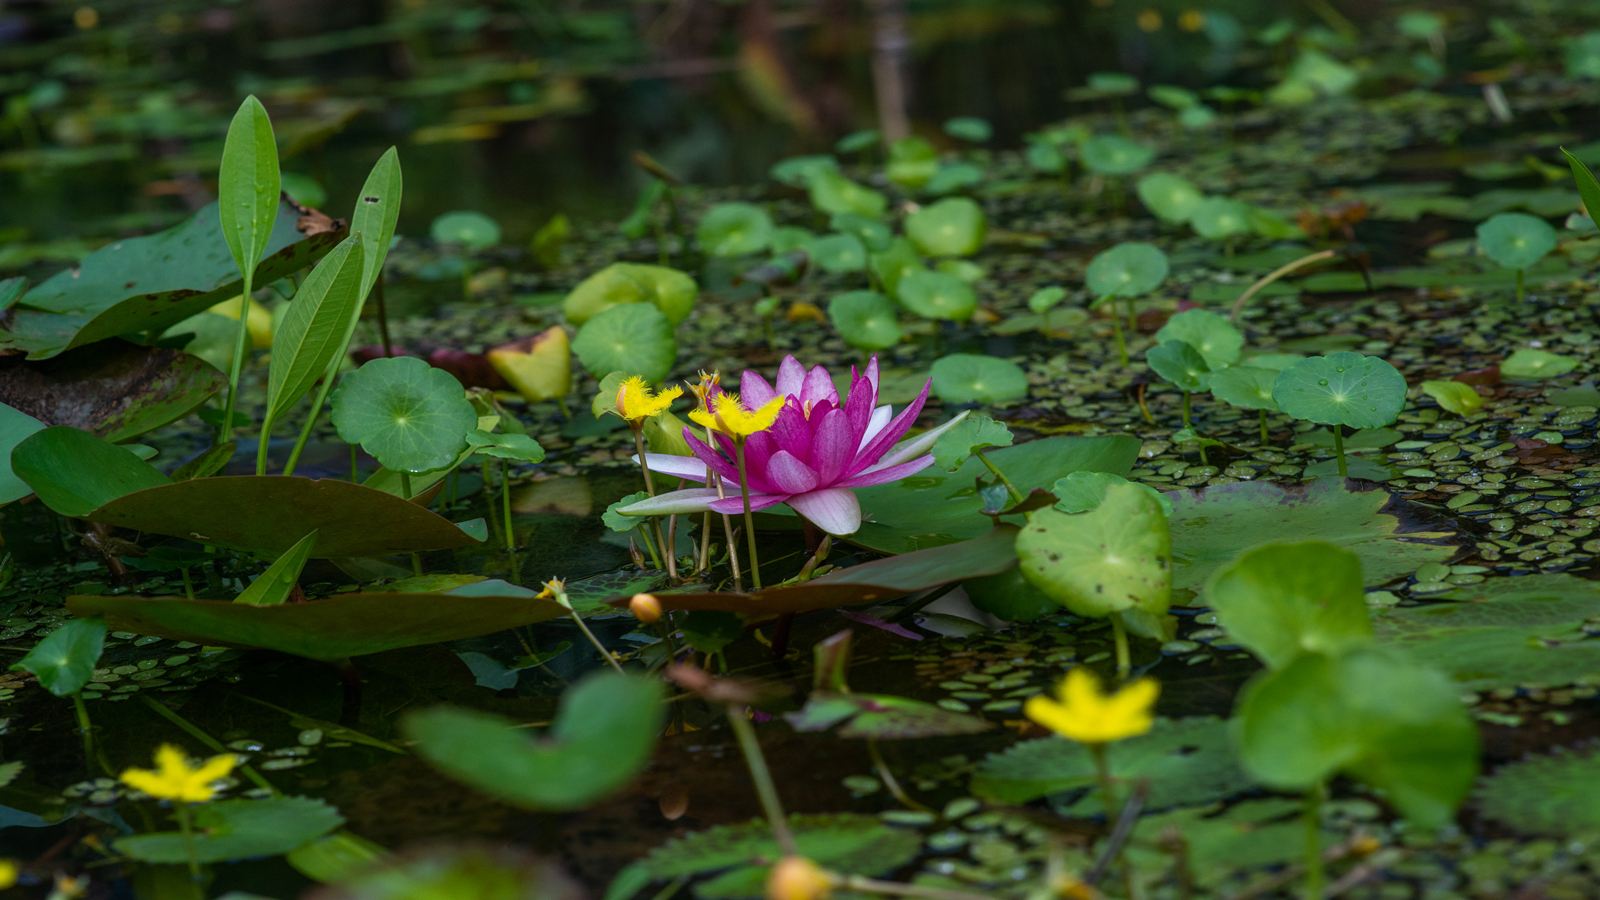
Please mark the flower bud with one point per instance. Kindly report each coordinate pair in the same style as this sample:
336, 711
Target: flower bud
798, 878
646, 608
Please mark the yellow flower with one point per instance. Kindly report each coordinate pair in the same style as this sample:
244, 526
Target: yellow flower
1089, 716
798, 878
734, 420
703, 386
175, 778
636, 402
9, 873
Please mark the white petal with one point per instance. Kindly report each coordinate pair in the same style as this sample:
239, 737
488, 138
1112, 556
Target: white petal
911, 448
834, 510
673, 503
879, 421
676, 466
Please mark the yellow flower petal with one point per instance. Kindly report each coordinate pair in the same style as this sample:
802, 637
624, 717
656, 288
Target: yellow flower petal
1088, 715
636, 402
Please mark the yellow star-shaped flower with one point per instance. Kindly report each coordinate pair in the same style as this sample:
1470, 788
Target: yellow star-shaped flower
733, 420
176, 778
1086, 714
636, 402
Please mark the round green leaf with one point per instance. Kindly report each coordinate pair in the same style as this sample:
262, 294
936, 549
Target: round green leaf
1552, 795
1516, 240
634, 338
1283, 599
1046, 298
734, 229
1210, 333
1171, 197
937, 295
797, 171
469, 229
951, 227
1180, 365
1245, 387
65, 659
1127, 270
866, 320
838, 253
1111, 154
1009, 596
912, 161
1219, 218
409, 415
1322, 715
1082, 491
1342, 388
669, 290
832, 193
968, 378
969, 128
1116, 557
604, 733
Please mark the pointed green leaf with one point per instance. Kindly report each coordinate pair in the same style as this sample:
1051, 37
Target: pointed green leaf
312, 335
74, 472
377, 210
248, 184
273, 586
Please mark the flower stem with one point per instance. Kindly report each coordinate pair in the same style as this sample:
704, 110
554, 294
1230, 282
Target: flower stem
236, 365
84, 728
766, 790
1011, 489
1313, 861
1187, 404
1102, 772
188, 840
505, 504
1119, 637
887, 776
1519, 285
1265, 438
1122, 342
584, 627
667, 555
1338, 450
749, 520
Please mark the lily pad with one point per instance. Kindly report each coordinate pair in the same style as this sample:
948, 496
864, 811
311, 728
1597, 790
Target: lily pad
412, 417
603, 735
635, 338
1454, 396
1220, 218
1218, 342
146, 284
866, 320
933, 508
1516, 240
936, 295
1280, 600
1180, 365
1111, 154
951, 227
669, 290
472, 230
237, 829
734, 229
1533, 364
115, 390
1185, 762
837, 253
337, 628
65, 659
1552, 795
1172, 198
350, 519
1211, 527
881, 717
1245, 387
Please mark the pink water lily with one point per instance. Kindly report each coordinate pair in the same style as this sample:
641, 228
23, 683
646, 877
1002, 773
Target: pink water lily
820, 448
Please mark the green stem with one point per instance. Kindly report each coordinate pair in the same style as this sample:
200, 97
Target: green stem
584, 627
188, 583
188, 839
1119, 638
194, 731
311, 421
405, 485
649, 546
1338, 450
1519, 285
1133, 317
1016, 495
236, 365
749, 520
766, 790
1187, 404
1313, 850
84, 728
1122, 342
505, 503
886, 775
1265, 438
1102, 771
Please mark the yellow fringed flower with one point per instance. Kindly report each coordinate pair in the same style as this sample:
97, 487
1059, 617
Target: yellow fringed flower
734, 420
9, 873
636, 402
1086, 714
176, 778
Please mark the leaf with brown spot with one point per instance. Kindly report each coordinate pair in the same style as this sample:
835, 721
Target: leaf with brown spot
116, 391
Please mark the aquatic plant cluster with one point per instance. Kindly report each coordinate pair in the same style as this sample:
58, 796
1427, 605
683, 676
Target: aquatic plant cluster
1134, 529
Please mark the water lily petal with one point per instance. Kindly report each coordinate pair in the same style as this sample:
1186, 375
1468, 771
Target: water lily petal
789, 474
734, 505
896, 428
834, 510
677, 466
833, 446
877, 421
754, 389
882, 474
920, 444
713, 459
672, 503
791, 377
818, 387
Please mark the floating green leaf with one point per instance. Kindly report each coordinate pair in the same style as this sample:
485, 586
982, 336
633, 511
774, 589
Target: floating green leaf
936, 295
1111, 154
971, 435
1533, 364
602, 738
1083, 491
1454, 396
1552, 795
472, 230
1180, 365
833, 194
969, 378
881, 717
734, 229
1116, 557
1516, 240
409, 415
837, 253
1213, 335
669, 290
1245, 387
74, 472
951, 227
116, 390
237, 829
866, 320
1172, 198
65, 659
1220, 218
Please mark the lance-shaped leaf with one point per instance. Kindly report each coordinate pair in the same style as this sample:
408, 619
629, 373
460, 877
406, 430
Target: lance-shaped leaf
273, 586
377, 210
15, 427
312, 335
74, 472
1588, 187
248, 185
